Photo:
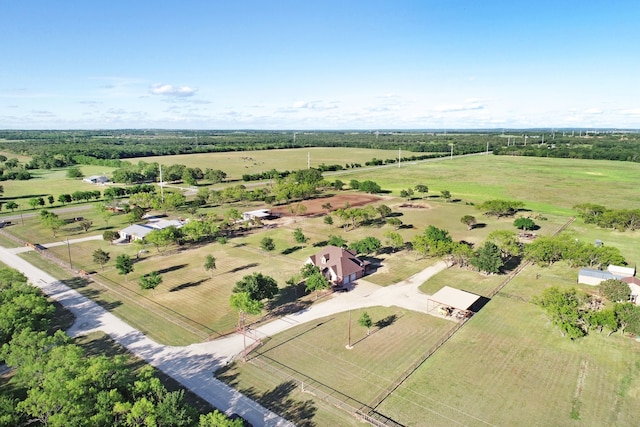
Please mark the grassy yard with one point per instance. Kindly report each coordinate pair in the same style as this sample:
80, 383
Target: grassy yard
316, 355
509, 365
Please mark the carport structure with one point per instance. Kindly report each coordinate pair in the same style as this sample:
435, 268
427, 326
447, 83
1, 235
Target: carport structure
452, 302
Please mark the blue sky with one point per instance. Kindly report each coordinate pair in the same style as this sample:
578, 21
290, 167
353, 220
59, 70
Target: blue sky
319, 64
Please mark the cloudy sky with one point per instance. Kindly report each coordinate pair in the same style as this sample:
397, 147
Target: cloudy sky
319, 64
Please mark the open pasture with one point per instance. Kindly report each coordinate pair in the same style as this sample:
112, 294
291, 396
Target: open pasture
237, 163
509, 365
544, 184
45, 182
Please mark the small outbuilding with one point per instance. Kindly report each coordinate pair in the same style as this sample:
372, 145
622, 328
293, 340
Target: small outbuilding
592, 277
452, 302
96, 179
259, 214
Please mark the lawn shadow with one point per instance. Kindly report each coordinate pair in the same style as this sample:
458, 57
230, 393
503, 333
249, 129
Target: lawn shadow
187, 285
243, 267
172, 268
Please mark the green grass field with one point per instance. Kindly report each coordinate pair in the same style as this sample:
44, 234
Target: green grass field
506, 366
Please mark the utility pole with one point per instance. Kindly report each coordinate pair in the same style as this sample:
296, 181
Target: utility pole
69, 252
451, 151
399, 156
161, 185
349, 347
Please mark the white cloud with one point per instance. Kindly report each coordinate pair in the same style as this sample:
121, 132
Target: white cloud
170, 90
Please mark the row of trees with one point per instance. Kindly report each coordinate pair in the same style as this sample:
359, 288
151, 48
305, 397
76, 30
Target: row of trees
549, 249
618, 219
55, 383
573, 312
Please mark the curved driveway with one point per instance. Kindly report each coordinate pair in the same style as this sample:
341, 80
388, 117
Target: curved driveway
193, 365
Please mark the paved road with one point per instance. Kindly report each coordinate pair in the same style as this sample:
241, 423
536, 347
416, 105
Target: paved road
193, 365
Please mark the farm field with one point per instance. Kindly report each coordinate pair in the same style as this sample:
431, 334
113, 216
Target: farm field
237, 163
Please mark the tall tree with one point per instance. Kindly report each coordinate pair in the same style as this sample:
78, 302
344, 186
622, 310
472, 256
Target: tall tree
615, 290
124, 264
365, 321
101, 257
299, 236
316, 282
210, 264
258, 286
267, 244
469, 221
487, 258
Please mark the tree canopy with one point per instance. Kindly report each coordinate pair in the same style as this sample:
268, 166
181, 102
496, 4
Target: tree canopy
258, 286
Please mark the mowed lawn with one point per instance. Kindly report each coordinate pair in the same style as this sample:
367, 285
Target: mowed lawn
316, 354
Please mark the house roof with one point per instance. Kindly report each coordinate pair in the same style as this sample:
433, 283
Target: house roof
631, 280
598, 274
137, 230
341, 261
161, 224
260, 213
621, 271
455, 298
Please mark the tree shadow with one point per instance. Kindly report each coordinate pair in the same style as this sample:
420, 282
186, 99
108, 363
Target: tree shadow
387, 321
321, 244
279, 401
243, 267
172, 268
479, 225
76, 282
187, 285
291, 250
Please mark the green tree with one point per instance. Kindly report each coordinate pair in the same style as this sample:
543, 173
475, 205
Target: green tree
523, 223
407, 194
563, 308
308, 269
499, 207
218, 419
101, 257
51, 221
210, 263
86, 224
446, 195
601, 319
74, 172
615, 290
150, 281
161, 239
365, 321
110, 236
51, 199
393, 240
507, 241
422, 189
258, 286
369, 187
328, 219
469, 221
12, 205
628, 317
384, 211
299, 236
267, 244
487, 258
337, 241
367, 245
124, 265
396, 223
244, 304
316, 282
